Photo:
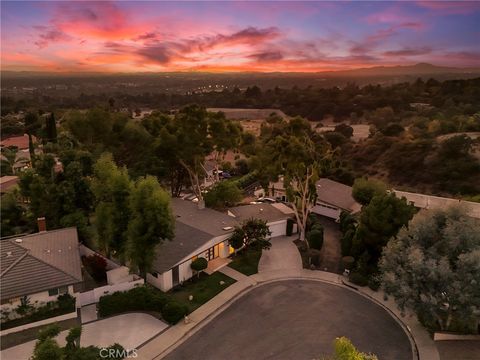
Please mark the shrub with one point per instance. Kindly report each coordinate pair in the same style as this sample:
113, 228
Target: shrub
140, 298
290, 223
173, 312
199, 264
374, 282
348, 262
358, 279
347, 242
315, 238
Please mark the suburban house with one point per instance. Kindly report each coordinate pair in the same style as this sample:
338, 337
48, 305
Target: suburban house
20, 142
8, 183
39, 267
198, 233
332, 197
276, 215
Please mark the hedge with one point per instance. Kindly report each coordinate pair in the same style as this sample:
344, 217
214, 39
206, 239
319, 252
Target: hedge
142, 299
358, 279
315, 238
173, 312
139, 298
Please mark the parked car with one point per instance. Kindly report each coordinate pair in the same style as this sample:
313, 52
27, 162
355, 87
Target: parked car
266, 200
225, 175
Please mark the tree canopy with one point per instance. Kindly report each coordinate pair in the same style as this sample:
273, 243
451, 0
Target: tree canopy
433, 268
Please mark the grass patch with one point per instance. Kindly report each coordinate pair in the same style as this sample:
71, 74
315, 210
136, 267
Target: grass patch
202, 289
246, 261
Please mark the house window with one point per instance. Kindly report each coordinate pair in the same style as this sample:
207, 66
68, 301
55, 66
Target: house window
58, 291
53, 292
155, 274
63, 290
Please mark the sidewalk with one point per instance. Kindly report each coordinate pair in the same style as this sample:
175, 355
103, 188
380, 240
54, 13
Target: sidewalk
161, 345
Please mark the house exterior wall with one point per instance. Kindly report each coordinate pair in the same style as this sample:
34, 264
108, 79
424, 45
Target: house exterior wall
278, 228
164, 281
161, 281
36, 300
327, 210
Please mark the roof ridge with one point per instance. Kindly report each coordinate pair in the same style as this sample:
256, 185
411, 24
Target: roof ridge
14, 263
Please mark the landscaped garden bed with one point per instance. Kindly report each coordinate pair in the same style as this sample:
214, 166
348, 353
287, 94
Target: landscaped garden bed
202, 289
64, 305
246, 261
171, 306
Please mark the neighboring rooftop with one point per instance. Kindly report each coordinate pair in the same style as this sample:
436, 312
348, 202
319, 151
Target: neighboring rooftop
7, 182
441, 203
21, 142
206, 220
336, 194
38, 262
267, 212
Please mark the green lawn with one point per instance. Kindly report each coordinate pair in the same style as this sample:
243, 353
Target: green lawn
202, 289
246, 261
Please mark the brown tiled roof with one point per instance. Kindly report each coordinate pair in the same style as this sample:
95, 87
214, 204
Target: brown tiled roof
21, 142
39, 262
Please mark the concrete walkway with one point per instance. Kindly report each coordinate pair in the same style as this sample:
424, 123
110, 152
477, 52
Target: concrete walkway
332, 252
283, 255
130, 330
161, 345
237, 275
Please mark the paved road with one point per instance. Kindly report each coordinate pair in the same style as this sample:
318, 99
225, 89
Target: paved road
130, 330
296, 319
283, 255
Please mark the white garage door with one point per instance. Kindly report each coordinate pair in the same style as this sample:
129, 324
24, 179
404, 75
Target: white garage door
278, 228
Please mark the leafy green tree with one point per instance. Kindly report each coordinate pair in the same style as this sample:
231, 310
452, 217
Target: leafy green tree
32, 126
9, 155
237, 239
111, 187
47, 349
345, 350
345, 130
293, 150
50, 129
199, 264
12, 216
380, 220
73, 338
223, 194
433, 268
256, 232
225, 135
151, 222
364, 190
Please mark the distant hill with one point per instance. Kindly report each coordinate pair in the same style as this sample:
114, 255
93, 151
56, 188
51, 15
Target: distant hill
402, 70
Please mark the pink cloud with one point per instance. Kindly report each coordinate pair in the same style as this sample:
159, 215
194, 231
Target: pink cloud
49, 35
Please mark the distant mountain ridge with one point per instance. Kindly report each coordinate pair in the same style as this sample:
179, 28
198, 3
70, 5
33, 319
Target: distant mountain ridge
397, 70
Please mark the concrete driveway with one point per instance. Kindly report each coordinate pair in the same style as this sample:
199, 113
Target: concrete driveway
296, 319
129, 330
283, 255
332, 249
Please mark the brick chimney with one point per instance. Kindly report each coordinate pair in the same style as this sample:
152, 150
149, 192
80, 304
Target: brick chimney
42, 224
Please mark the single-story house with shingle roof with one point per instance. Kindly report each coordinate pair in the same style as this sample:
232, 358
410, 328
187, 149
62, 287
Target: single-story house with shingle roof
276, 215
333, 198
198, 233
39, 266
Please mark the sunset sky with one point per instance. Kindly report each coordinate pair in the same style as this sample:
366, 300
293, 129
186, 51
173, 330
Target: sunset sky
137, 36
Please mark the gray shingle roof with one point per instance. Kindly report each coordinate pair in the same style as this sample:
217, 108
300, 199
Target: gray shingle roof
187, 240
207, 220
39, 262
337, 194
265, 212
193, 228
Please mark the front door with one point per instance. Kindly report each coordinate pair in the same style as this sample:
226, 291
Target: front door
175, 276
213, 252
